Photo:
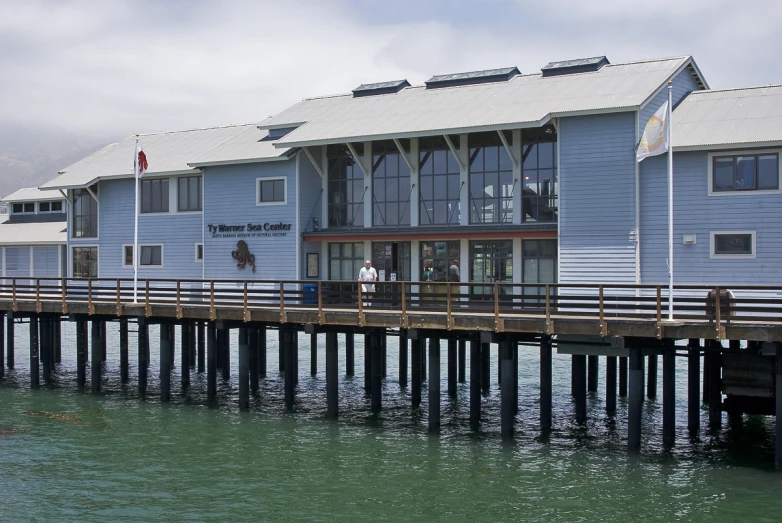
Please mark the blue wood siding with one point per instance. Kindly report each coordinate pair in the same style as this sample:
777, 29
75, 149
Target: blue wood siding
45, 262
597, 200
176, 232
683, 83
310, 203
17, 261
230, 199
697, 213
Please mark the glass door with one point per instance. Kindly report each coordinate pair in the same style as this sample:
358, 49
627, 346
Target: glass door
393, 259
490, 261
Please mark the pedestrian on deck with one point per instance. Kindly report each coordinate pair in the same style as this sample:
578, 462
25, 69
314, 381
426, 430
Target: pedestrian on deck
367, 276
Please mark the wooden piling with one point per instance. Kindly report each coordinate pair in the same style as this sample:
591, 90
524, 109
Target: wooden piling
693, 386
485, 367
165, 363
350, 354
635, 399
434, 385
715, 386
244, 369
97, 357
211, 360
185, 353
669, 396
143, 351
123, 350
592, 373
332, 378
375, 350
403, 358
367, 364
507, 392
778, 421
10, 338
262, 351
475, 383
290, 350
46, 351
623, 377
452, 368
462, 361
201, 347
383, 355
191, 330
580, 386
81, 352
57, 340
651, 380
415, 371
225, 349
2, 344
34, 353
103, 351
252, 343
545, 382
611, 385
314, 354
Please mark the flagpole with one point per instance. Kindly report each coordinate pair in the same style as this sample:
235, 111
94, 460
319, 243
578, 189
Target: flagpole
670, 200
135, 225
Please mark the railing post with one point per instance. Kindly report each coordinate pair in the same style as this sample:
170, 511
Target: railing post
119, 298
496, 307
38, 295
212, 311
64, 291
404, 305
360, 306
178, 300
320, 303
449, 319
602, 311
283, 318
90, 306
718, 336
13, 287
548, 309
659, 304
246, 314
147, 306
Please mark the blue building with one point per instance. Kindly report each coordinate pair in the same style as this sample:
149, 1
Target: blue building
489, 176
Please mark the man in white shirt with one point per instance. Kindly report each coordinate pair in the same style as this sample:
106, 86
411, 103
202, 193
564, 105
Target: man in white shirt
367, 276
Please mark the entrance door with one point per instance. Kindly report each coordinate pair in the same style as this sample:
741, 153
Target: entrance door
393, 258
490, 261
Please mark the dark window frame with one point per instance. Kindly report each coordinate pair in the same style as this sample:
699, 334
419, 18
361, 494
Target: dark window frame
440, 263
735, 184
434, 173
191, 203
390, 174
86, 265
274, 187
489, 162
357, 261
85, 213
539, 176
346, 187
749, 236
154, 196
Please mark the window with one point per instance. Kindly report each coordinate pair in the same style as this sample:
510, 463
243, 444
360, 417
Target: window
539, 265
539, 173
271, 191
439, 183
127, 256
750, 172
491, 180
345, 260
189, 194
50, 207
12, 258
85, 262
440, 261
733, 244
491, 261
346, 187
390, 186
24, 208
18, 208
154, 195
151, 256
85, 213
199, 252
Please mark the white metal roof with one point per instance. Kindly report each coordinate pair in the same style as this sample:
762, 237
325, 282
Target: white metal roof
525, 100
31, 194
734, 117
251, 145
167, 153
33, 233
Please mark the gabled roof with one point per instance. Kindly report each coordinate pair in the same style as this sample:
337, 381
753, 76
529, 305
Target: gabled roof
31, 194
251, 145
523, 101
748, 117
167, 153
33, 233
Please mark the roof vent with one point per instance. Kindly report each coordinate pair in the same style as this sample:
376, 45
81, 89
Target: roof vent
380, 88
581, 65
471, 78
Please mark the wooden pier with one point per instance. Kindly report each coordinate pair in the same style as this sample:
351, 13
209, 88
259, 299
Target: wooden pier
736, 336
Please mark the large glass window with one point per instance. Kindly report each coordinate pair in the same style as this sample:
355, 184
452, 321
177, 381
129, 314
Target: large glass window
491, 180
154, 195
745, 173
346, 188
85, 213
491, 261
189, 193
85, 262
440, 261
345, 260
539, 265
439, 183
393, 258
539, 172
390, 186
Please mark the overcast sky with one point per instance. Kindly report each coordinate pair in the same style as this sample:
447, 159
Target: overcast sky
108, 69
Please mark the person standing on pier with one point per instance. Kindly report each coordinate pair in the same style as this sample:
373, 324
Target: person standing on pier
367, 276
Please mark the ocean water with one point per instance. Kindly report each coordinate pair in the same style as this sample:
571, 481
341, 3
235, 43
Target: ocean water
67, 455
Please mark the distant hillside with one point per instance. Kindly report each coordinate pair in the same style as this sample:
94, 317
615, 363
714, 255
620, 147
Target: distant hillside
30, 157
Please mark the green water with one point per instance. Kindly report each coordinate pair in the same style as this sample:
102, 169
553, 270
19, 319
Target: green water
121, 457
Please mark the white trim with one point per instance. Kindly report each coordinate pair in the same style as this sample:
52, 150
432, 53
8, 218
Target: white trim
269, 179
11, 211
50, 202
195, 254
283, 156
86, 245
312, 161
324, 201
558, 175
727, 146
746, 192
59, 261
3, 257
712, 244
32, 261
203, 223
637, 206
140, 245
665, 86
70, 228
176, 197
298, 216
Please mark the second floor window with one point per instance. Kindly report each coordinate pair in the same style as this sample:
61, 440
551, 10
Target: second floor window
189, 193
85, 213
154, 195
745, 173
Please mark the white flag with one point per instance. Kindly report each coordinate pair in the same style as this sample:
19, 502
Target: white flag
655, 138
139, 161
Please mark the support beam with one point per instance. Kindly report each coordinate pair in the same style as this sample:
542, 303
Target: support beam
455, 152
2, 343
10, 338
651, 380
622, 377
462, 361
434, 385
635, 399
545, 383
580, 387
485, 366
332, 378
81, 352
508, 149
143, 348
693, 386
34, 353
289, 349
262, 351
593, 370
97, 357
376, 370
403, 358
165, 364
715, 386
507, 392
211, 361
403, 153
669, 397
124, 360
350, 355
611, 385
415, 378
201, 346
244, 369
452, 368
475, 383
315, 164
314, 354
185, 353
359, 160
252, 333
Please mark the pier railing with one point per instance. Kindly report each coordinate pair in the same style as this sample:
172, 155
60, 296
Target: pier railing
593, 301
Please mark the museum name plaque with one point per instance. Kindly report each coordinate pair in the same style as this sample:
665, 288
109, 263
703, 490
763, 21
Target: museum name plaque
249, 230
